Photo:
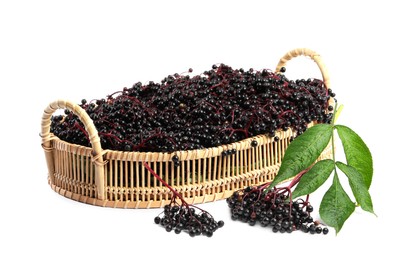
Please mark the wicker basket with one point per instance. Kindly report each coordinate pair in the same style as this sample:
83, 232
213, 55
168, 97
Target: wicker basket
118, 179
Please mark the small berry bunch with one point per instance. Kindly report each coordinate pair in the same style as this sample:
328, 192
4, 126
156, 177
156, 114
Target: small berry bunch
184, 216
273, 208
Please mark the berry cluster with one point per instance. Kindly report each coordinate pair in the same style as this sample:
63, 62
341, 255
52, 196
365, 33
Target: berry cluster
183, 216
183, 112
275, 209
187, 219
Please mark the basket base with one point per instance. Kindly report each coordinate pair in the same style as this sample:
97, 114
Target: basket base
154, 203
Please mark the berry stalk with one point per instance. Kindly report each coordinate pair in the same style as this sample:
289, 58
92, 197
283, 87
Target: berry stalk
176, 193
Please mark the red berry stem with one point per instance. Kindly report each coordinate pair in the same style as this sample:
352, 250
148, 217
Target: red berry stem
297, 178
77, 125
176, 193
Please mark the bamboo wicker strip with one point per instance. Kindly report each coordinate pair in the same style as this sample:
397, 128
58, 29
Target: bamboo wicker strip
88, 169
166, 178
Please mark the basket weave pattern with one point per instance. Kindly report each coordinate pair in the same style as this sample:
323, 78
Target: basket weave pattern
119, 179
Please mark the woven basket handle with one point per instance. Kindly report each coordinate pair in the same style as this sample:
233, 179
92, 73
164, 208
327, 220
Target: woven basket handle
90, 128
309, 53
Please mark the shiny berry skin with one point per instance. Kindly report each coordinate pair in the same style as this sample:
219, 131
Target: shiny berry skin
175, 159
318, 230
309, 208
168, 228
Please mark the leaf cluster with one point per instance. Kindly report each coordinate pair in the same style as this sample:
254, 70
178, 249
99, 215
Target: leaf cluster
336, 205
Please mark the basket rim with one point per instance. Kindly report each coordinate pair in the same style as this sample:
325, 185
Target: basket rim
208, 152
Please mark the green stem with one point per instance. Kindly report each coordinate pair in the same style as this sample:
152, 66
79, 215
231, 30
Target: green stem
337, 113
333, 135
333, 144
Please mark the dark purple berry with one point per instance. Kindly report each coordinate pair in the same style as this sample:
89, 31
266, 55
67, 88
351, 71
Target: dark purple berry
309, 208
318, 230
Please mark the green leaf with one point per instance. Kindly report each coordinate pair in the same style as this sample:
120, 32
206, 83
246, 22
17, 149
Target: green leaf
336, 206
314, 178
303, 151
358, 186
357, 153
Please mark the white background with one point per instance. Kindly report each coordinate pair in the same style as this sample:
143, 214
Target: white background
88, 49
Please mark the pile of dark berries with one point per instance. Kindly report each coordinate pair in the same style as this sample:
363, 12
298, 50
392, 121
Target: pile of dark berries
273, 208
183, 112
189, 219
